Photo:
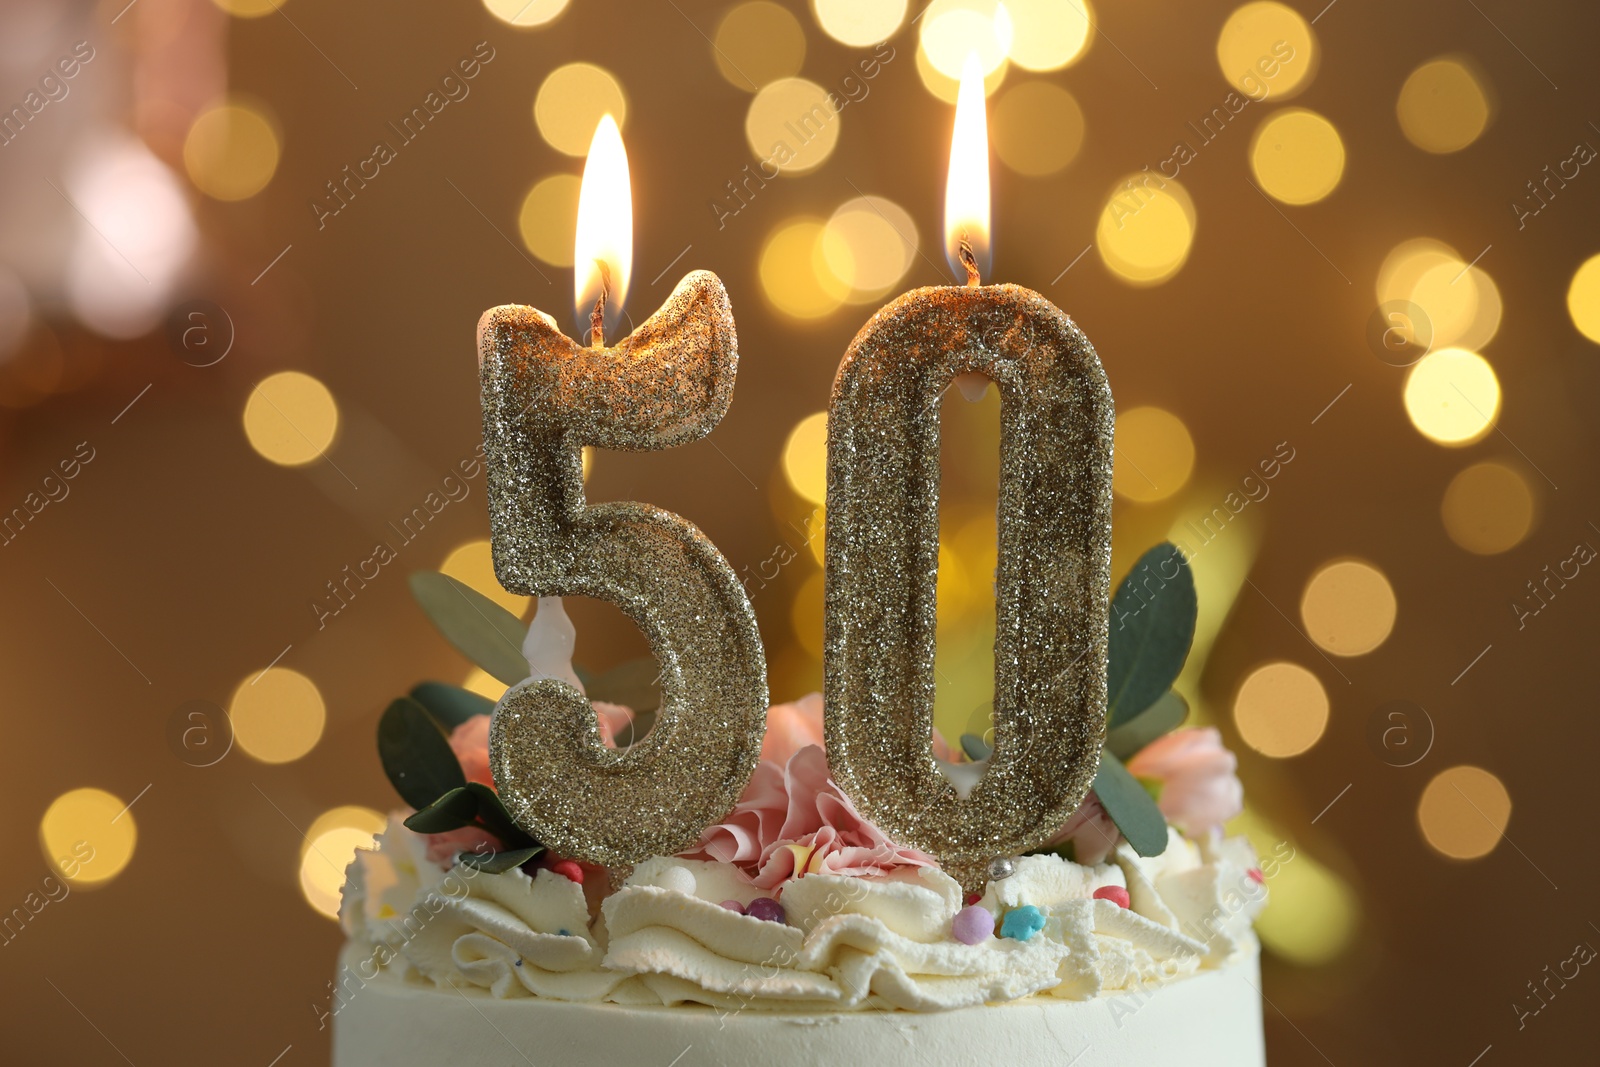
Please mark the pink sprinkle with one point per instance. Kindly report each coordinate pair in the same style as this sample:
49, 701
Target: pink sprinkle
733, 905
1114, 893
1256, 876
972, 898
569, 870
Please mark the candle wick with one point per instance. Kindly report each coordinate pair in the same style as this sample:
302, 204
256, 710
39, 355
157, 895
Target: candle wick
597, 317
969, 260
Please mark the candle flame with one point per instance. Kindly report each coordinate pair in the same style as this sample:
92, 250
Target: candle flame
966, 192
603, 246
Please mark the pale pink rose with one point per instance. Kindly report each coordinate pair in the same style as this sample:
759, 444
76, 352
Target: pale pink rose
1090, 830
793, 820
793, 726
1199, 791
613, 717
470, 739
443, 848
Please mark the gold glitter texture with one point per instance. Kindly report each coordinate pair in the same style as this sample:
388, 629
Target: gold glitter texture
1053, 581
544, 398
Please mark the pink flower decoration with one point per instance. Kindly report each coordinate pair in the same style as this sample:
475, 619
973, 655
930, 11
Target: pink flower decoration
1199, 791
793, 820
1090, 830
470, 739
791, 727
443, 848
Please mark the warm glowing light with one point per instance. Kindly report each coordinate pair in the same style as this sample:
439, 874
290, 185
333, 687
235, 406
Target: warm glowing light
1348, 608
1297, 156
859, 23
805, 458
1452, 396
1442, 106
484, 684
572, 100
602, 241
792, 125
1267, 50
757, 43
952, 31
251, 9
966, 191
548, 221
88, 836
794, 270
1146, 229
1311, 916
805, 614
1048, 34
472, 564
524, 13
1488, 508
1583, 299
290, 418
277, 715
1463, 812
231, 152
1281, 710
330, 847
1461, 301
868, 245
1021, 112
1154, 455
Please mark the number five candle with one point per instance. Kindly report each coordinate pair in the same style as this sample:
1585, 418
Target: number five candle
1052, 584
544, 398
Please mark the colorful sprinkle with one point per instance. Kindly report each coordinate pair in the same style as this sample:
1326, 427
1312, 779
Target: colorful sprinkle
568, 869
1114, 893
765, 909
972, 925
1256, 876
1022, 923
733, 905
972, 898
564, 933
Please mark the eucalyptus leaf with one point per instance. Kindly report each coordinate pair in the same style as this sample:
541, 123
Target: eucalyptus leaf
975, 747
457, 808
635, 684
1131, 807
1160, 718
499, 862
492, 816
481, 630
451, 705
416, 754
1152, 626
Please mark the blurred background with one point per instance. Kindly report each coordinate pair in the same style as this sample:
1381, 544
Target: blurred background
1340, 263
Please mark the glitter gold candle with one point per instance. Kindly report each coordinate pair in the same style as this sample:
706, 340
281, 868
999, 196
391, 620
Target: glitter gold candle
545, 396
1052, 583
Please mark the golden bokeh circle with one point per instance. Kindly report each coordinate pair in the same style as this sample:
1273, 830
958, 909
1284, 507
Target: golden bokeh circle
524, 14
1146, 229
1048, 34
1154, 455
329, 848
88, 836
1442, 106
794, 271
277, 715
1464, 812
1348, 608
792, 126
1583, 298
1297, 156
570, 103
1452, 396
290, 418
1281, 709
249, 9
868, 244
231, 151
1037, 128
472, 563
1267, 50
946, 88
757, 43
859, 23
548, 220
1488, 508
805, 458
950, 30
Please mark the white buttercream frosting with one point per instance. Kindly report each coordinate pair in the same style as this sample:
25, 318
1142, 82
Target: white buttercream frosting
849, 943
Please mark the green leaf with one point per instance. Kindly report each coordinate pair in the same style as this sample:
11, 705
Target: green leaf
1160, 718
451, 705
635, 684
975, 747
455, 809
416, 755
499, 862
492, 816
1152, 625
1130, 807
481, 630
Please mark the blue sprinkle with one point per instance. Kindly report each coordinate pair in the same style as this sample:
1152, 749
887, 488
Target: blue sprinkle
519, 963
1022, 923
563, 933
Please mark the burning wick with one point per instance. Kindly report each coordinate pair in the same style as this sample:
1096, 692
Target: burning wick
597, 317
969, 260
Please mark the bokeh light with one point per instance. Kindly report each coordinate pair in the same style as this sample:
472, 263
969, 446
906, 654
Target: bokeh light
88, 836
1281, 710
794, 271
1583, 299
1464, 812
859, 23
1311, 916
525, 13
868, 245
570, 103
948, 30
757, 43
549, 218
1297, 156
472, 564
792, 126
1462, 303
1488, 508
290, 418
231, 151
1348, 608
1452, 396
1037, 127
277, 715
1048, 34
805, 615
1442, 106
249, 9
1146, 229
329, 848
1154, 455
484, 684
1267, 50
946, 88
805, 458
